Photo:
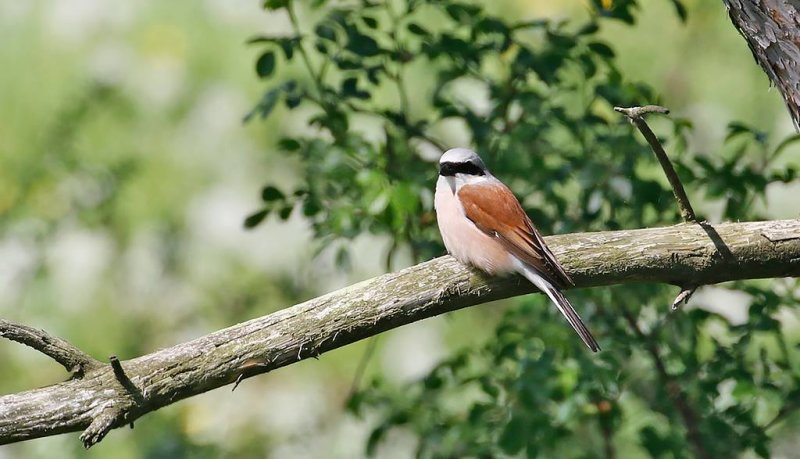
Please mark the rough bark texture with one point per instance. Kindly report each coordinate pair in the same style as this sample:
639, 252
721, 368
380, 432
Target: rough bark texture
772, 31
109, 396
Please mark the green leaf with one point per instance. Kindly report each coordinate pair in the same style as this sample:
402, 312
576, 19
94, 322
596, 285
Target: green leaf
343, 260
379, 203
762, 450
350, 89
589, 29
294, 99
326, 32
261, 39
311, 207
375, 438
736, 129
265, 64
514, 436
616, 9
270, 193
321, 47
355, 402
253, 220
680, 10
653, 441
289, 144
462, 13
288, 47
535, 23
285, 212
335, 121
346, 64
363, 45
266, 104
783, 145
287, 44
601, 49
417, 29
371, 22
276, 4
349, 86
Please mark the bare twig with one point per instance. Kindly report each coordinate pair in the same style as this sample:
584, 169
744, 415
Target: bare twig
119, 372
123, 379
70, 357
683, 297
606, 427
316, 77
100, 427
636, 116
639, 112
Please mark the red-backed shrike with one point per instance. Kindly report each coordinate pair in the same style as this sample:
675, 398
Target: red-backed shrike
483, 224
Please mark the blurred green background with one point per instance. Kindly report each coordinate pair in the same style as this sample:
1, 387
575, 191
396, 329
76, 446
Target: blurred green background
126, 173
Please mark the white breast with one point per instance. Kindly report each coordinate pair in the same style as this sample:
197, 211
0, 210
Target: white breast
463, 239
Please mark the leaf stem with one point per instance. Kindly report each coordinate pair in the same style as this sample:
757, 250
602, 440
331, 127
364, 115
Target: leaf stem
304, 55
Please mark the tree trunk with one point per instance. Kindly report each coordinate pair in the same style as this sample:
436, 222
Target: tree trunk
772, 31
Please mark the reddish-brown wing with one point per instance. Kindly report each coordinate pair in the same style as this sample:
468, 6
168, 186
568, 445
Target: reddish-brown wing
495, 210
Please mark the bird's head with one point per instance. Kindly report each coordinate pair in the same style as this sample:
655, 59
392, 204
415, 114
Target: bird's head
461, 161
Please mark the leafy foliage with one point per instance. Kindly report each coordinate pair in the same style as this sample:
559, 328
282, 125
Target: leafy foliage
535, 99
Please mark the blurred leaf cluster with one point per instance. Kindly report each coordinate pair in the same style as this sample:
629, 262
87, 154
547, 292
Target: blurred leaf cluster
535, 99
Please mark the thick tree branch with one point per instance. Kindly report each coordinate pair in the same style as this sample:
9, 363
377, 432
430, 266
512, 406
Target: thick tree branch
679, 254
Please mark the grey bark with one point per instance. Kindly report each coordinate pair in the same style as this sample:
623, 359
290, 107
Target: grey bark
108, 396
772, 31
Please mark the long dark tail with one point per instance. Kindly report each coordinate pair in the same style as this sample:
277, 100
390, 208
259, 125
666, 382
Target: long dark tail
573, 318
563, 305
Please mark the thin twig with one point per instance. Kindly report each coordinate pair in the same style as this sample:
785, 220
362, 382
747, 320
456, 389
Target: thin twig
608, 439
639, 112
100, 426
785, 411
636, 116
683, 297
411, 130
397, 76
431, 140
362, 364
304, 55
123, 378
70, 357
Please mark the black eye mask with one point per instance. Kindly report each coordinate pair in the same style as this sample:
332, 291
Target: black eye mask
450, 169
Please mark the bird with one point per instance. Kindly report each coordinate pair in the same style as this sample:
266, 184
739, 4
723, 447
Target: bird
482, 224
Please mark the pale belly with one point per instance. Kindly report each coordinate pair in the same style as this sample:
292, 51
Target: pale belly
463, 239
